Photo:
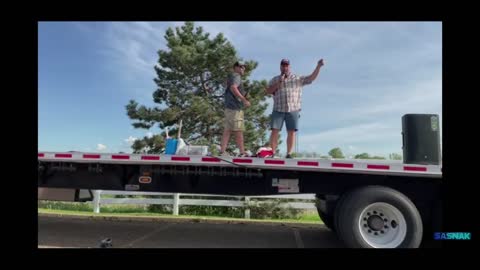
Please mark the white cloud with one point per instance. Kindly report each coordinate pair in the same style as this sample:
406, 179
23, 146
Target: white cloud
420, 97
356, 133
327, 106
130, 140
149, 134
372, 137
352, 148
101, 147
133, 46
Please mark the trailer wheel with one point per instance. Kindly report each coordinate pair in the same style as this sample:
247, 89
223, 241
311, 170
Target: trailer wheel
327, 219
378, 217
324, 212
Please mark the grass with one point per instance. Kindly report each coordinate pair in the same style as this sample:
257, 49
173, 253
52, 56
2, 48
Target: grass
88, 207
130, 211
313, 217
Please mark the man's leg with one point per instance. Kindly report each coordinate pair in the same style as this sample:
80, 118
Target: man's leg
239, 127
239, 139
276, 123
274, 139
227, 130
290, 140
291, 121
225, 138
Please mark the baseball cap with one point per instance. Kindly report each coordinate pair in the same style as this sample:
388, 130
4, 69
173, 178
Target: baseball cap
285, 62
239, 64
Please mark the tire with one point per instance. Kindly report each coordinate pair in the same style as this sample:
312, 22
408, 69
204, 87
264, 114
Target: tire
337, 211
378, 217
326, 213
327, 219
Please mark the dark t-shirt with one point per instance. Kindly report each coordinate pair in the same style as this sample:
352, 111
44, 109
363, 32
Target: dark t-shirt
231, 101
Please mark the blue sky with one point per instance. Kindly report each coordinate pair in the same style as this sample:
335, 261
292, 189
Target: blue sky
374, 73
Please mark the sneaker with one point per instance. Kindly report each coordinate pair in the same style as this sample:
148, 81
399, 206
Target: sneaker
289, 156
224, 154
243, 155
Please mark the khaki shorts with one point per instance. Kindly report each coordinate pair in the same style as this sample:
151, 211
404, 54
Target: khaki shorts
234, 120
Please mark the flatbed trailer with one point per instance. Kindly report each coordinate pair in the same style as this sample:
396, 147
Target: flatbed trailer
368, 203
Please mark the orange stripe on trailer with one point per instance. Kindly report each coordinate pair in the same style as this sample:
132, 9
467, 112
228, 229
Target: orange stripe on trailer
242, 160
307, 163
210, 159
180, 159
378, 167
272, 161
342, 165
63, 155
120, 157
91, 156
418, 169
150, 157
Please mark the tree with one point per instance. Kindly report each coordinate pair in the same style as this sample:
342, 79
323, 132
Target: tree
362, 156
191, 76
395, 156
306, 154
149, 145
336, 153
367, 156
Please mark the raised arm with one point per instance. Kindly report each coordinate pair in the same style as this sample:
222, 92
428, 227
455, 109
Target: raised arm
315, 73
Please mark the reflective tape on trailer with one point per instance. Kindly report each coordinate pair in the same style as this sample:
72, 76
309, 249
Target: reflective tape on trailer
352, 166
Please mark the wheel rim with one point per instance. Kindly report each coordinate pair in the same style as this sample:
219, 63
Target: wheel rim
382, 225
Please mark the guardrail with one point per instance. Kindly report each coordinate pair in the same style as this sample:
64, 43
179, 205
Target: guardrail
176, 200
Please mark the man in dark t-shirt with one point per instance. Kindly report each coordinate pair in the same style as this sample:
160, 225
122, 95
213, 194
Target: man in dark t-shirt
235, 101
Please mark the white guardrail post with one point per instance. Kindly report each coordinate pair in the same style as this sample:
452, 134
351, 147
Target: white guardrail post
247, 207
176, 202
96, 201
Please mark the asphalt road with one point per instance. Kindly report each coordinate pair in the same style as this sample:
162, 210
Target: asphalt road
73, 232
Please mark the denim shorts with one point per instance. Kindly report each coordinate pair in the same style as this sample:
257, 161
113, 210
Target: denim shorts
290, 118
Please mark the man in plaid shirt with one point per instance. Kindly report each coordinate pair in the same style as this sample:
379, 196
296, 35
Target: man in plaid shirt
287, 93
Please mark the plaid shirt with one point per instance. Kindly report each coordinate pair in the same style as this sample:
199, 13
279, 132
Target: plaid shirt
288, 97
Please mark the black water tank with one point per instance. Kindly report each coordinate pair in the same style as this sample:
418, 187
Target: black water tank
421, 139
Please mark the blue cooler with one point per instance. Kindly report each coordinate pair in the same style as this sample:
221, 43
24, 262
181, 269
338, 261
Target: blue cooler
171, 147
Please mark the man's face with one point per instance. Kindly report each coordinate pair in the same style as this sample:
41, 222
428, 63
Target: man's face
285, 68
240, 69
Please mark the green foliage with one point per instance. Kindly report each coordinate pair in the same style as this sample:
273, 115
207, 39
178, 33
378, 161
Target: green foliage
191, 80
336, 153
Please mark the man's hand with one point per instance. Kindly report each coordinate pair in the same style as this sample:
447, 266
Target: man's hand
246, 103
320, 63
